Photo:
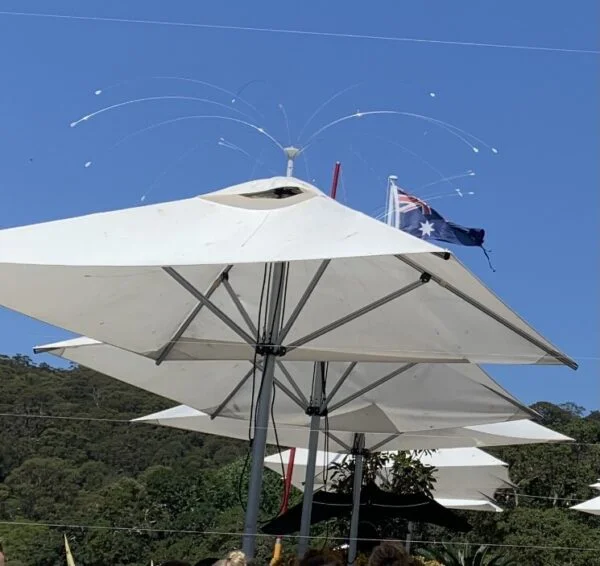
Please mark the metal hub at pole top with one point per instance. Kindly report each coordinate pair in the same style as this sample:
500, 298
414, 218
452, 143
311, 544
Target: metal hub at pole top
291, 153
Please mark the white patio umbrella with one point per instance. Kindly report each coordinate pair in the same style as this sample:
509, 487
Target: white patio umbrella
591, 506
208, 279
465, 477
497, 434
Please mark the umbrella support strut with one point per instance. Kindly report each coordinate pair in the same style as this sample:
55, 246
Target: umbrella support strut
358, 451
315, 410
371, 386
271, 350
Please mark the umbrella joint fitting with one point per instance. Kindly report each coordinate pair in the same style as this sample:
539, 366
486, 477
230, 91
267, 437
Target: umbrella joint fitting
425, 277
316, 410
272, 349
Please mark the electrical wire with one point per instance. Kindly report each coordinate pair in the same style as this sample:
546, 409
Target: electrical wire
308, 33
137, 530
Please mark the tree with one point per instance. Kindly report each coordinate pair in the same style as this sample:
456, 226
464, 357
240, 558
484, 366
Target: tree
406, 475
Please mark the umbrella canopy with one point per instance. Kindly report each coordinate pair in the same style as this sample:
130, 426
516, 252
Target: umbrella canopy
422, 397
185, 280
374, 505
591, 506
463, 475
481, 505
497, 434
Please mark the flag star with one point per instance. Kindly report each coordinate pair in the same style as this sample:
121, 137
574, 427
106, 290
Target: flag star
426, 228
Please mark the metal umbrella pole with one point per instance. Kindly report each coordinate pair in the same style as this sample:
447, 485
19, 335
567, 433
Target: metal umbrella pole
315, 410
358, 452
270, 349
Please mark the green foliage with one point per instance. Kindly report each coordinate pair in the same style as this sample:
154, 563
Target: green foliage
466, 555
127, 493
406, 475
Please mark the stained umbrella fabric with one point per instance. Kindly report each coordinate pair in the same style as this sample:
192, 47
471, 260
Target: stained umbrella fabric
156, 280
375, 504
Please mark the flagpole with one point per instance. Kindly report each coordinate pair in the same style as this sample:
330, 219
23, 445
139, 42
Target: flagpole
393, 214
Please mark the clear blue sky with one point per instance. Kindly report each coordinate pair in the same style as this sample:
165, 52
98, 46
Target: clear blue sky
537, 199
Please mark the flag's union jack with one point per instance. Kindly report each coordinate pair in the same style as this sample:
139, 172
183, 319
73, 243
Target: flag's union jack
407, 202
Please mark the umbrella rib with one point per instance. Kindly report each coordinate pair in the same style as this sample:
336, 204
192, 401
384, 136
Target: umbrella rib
304, 299
290, 394
563, 359
343, 444
295, 386
360, 312
239, 306
340, 382
376, 447
232, 393
372, 386
166, 350
241, 383
210, 306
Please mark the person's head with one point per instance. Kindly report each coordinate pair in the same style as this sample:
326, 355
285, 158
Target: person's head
315, 557
388, 554
234, 558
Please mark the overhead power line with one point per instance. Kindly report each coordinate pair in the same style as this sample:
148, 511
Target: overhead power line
263, 535
306, 33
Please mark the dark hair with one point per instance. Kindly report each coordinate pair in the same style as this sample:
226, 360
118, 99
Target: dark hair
315, 557
175, 563
206, 562
388, 554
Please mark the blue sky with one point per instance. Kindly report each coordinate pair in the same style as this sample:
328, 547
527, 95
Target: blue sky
537, 198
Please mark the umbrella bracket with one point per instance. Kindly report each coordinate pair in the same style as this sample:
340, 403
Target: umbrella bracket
315, 410
271, 349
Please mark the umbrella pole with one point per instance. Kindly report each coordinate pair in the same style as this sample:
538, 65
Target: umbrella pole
269, 350
314, 410
358, 449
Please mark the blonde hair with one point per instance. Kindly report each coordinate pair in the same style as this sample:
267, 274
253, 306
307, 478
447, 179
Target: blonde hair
234, 558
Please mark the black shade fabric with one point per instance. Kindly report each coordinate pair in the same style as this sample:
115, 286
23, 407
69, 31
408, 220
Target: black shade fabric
375, 504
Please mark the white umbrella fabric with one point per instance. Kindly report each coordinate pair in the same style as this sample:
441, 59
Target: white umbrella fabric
480, 505
591, 506
462, 474
497, 434
132, 277
210, 278
406, 398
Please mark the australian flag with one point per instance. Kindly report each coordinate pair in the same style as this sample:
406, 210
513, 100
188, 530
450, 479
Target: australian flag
420, 220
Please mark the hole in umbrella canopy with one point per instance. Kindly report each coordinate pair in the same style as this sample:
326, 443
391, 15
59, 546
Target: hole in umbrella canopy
278, 193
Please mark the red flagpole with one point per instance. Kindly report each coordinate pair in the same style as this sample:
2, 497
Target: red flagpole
288, 480
336, 178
